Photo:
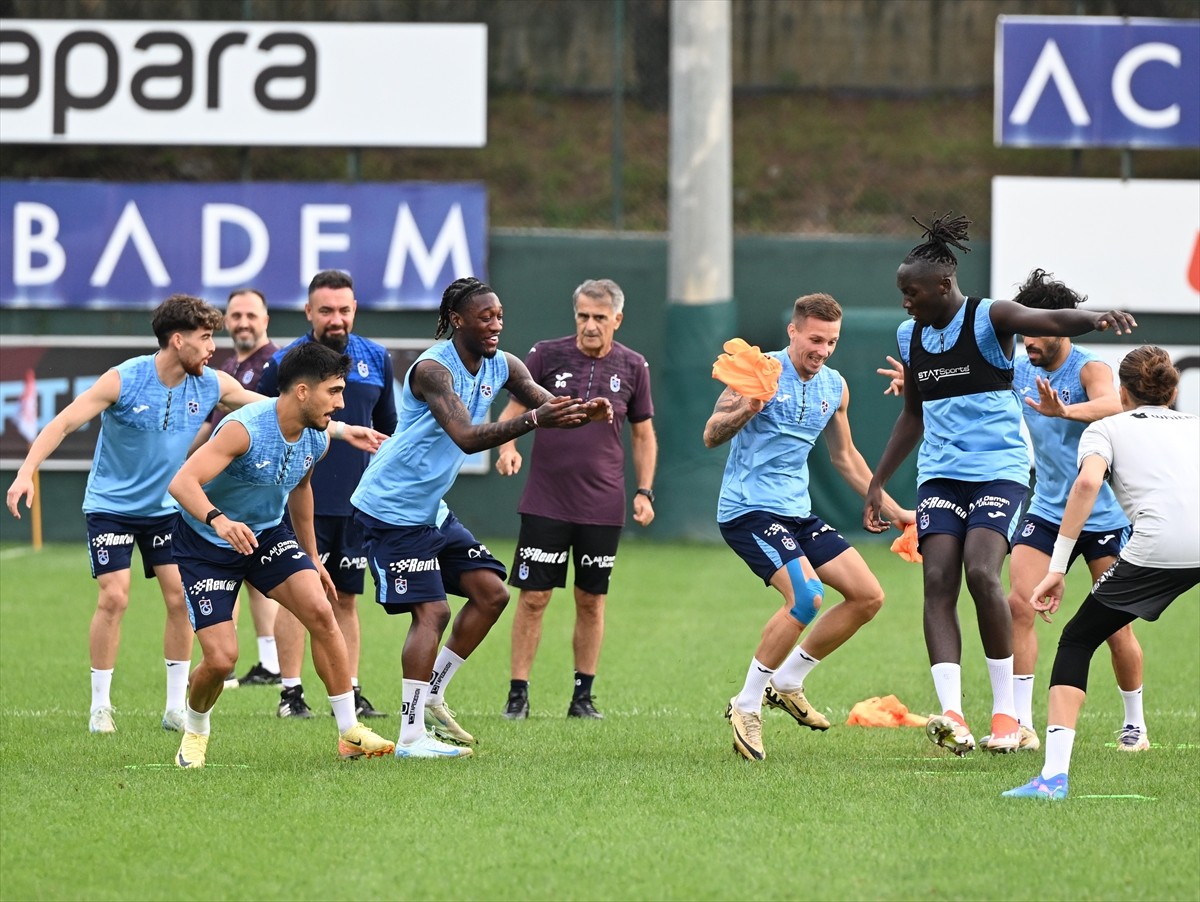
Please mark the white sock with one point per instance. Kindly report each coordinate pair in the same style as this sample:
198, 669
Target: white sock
343, 710
101, 688
1133, 707
443, 669
1000, 670
196, 722
412, 711
795, 670
1059, 742
268, 654
1023, 698
177, 681
947, 681
750, 698
289, 682
354, 683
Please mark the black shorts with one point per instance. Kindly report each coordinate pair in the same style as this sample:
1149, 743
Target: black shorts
540, 561
340, 545
1144, 592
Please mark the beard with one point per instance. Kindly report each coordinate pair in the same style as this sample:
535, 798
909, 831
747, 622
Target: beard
335, 342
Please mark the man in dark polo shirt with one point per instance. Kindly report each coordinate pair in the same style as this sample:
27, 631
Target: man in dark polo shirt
369, 402
574, 500
246, 321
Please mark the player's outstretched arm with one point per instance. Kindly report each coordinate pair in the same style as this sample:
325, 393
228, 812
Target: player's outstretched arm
910, 426
102, 394
1013, 318
230, 441
233, 394
1103, 400
431, 383
549, 411
731, 412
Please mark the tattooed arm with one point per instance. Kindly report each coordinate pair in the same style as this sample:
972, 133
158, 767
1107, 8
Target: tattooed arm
431, 382
733, 411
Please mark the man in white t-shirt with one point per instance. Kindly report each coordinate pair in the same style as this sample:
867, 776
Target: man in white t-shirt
1149, 453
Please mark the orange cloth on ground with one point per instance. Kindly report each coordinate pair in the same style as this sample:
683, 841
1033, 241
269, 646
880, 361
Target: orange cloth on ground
906, 545
747, 370
884, 712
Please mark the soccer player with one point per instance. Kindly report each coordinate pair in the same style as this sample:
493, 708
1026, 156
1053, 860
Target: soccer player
246, 321
1148, 453
233, 491
574, 499
417, 549
766, 517
973, 466
150, 409
1064, 387
369, 401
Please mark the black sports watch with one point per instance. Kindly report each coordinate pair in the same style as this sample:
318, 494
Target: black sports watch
649, 493
212, 515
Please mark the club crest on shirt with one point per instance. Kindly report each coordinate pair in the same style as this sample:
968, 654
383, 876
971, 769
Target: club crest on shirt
308, 462
363, 370
247, 377
193, 407
1065, 394
614, 383
485, 390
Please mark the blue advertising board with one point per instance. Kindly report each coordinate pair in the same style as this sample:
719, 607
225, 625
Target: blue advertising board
118, 245
1097, 82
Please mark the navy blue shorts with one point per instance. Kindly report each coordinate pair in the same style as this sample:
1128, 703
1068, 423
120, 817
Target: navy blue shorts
952, 507
111, 539
767, 542
340, 544
417, 564
1040, 533
540, 561
212, 575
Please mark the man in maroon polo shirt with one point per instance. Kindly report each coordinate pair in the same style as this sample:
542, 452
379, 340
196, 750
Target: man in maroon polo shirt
574, 502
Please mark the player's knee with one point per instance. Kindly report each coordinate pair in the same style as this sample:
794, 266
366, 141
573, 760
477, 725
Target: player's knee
982, 579
490, 595
533, 601
589, 605
807, 592
112, 602
868, 605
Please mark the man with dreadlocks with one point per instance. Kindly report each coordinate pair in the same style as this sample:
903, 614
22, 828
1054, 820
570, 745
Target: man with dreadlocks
417, 550
972, 468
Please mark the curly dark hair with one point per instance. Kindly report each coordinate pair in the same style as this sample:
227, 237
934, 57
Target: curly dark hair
1042, 292
183, 313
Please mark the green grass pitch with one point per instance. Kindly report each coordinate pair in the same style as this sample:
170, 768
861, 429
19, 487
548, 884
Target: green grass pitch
649, 803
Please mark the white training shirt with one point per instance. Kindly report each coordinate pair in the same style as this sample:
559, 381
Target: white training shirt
1152, 455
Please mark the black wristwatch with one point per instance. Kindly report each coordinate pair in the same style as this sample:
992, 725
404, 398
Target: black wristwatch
212, 515
649, 493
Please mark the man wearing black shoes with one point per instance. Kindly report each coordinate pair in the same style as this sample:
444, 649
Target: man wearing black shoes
369, 401
574, 502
